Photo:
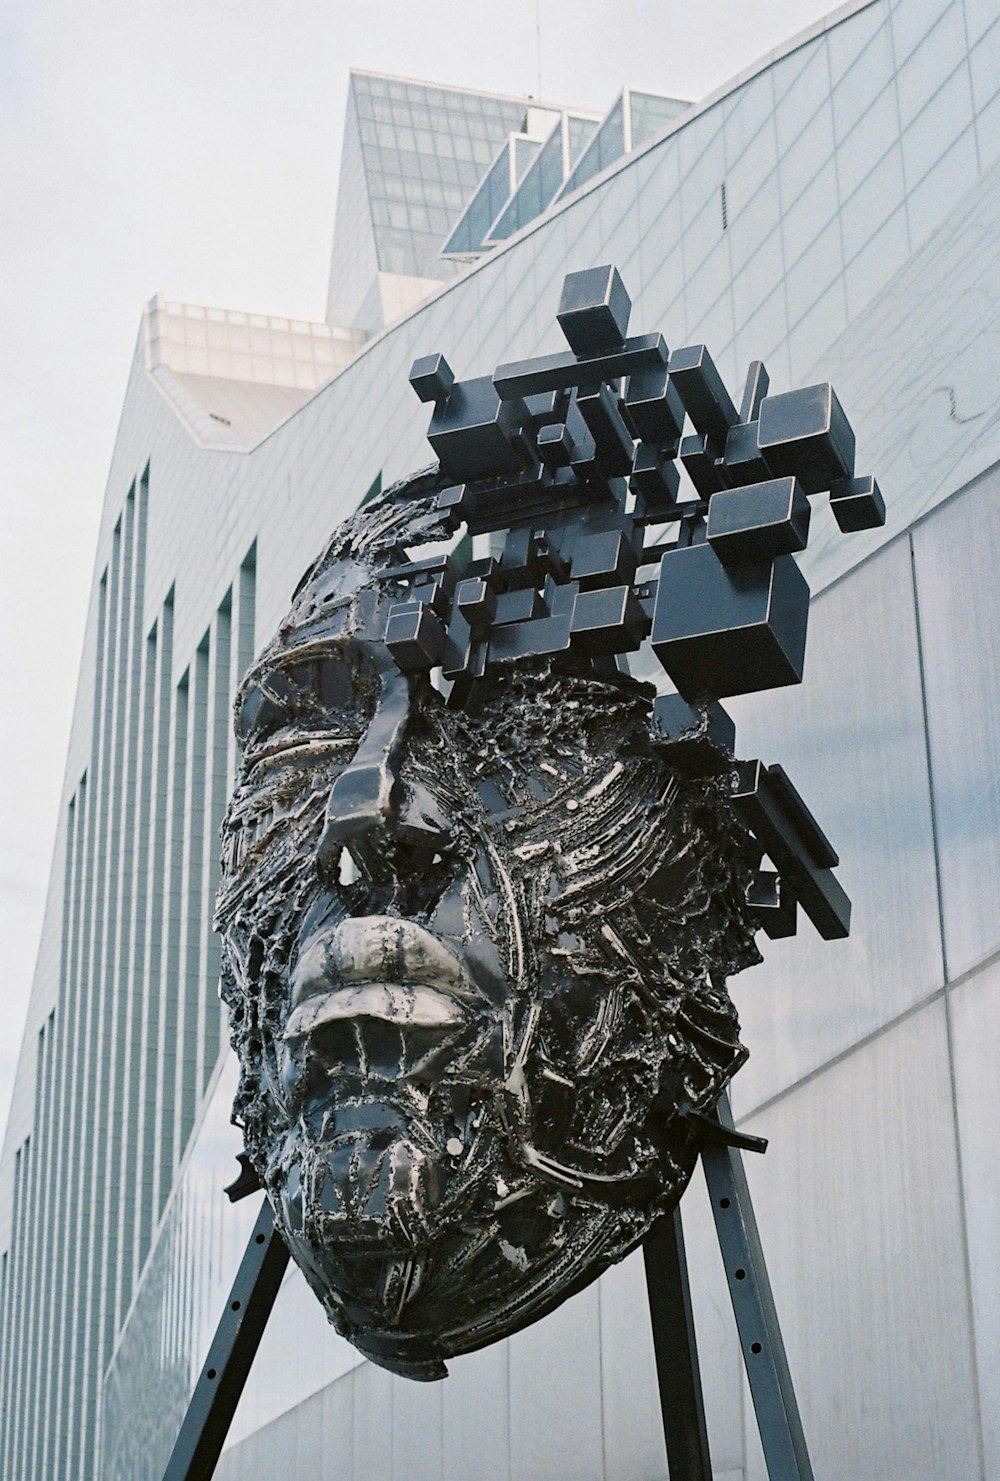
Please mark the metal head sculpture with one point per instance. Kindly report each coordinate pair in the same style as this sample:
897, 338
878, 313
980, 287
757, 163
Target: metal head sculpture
476, 946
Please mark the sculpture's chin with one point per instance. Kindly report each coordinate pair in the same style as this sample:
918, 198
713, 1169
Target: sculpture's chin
416, 1261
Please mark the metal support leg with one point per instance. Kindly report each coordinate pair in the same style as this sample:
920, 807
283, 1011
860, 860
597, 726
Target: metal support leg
676, 1352
236, 1340
781, 1433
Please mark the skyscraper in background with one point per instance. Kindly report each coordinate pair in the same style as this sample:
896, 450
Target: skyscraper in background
836, 211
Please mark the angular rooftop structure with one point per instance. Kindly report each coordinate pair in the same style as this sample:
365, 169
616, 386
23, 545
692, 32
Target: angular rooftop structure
427, 172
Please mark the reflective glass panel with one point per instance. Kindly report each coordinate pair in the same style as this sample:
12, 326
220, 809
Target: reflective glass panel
651, 114
607, 145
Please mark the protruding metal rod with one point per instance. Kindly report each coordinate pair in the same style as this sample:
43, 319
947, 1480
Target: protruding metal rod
781, 1434
233, 1348
676, 1351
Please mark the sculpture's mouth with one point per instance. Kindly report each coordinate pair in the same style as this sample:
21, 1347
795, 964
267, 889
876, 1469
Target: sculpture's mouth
416, 1005
376, 999
385, 952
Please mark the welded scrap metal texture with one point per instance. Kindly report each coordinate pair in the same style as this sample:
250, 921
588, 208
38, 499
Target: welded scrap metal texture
481, 890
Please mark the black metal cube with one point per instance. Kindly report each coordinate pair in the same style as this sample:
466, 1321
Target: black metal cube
607, 621
415, 636
594, 311
652, 403
654, 478
694, 376
857, 504
475, 434
607, 558
744, 461
806, 434
432, 378
721, 630
759, 521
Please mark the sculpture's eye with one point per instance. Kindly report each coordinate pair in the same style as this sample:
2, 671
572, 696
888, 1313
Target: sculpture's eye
326, 694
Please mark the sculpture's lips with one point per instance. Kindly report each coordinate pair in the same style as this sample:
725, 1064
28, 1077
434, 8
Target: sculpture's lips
377, 966
416, 1006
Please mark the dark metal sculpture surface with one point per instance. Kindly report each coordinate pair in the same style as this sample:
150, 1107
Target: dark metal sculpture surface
477, 947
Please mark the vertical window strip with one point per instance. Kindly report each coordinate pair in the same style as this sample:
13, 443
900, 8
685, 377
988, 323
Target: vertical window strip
104, 1039
218, 768
166, 1103
84, 1235
131, 1173
153, 1048
40, 1288
119, 1181
244, 638
56, 1153
191, 1030
11, 1367
101, 1231
5, 1333
72, 1074
24, 1251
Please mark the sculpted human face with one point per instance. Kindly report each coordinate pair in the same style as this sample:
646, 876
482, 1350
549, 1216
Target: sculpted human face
475, 965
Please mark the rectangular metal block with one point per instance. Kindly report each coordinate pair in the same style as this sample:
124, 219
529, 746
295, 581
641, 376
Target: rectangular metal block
820, 849
548, 406
562, 371
432, 378
756, 388
605, 559
450, 504
805, 433
476, 601
721, 630
528, 557
518, 606
594, 310
744, 461
415, 636
654, 479
535, 639
700, 386
760, 521
474, 432
652, 402
763, 809
612, 439
773, 903
608, 621
857, 504
700, 458
555, 445
674, 718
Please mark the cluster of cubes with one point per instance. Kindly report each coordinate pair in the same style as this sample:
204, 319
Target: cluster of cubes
575, 459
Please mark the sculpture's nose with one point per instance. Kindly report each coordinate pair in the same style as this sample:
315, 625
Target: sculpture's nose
369, 809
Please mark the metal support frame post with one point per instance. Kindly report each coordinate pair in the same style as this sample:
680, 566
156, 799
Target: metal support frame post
676, 1351
237, 1337
781, 1434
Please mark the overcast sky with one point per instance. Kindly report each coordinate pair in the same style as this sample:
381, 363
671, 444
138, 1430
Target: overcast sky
192, 149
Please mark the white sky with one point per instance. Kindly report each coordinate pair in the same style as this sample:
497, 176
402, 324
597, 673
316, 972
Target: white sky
192, 149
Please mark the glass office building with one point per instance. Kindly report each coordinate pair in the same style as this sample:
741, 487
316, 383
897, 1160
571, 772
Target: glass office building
834, 210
